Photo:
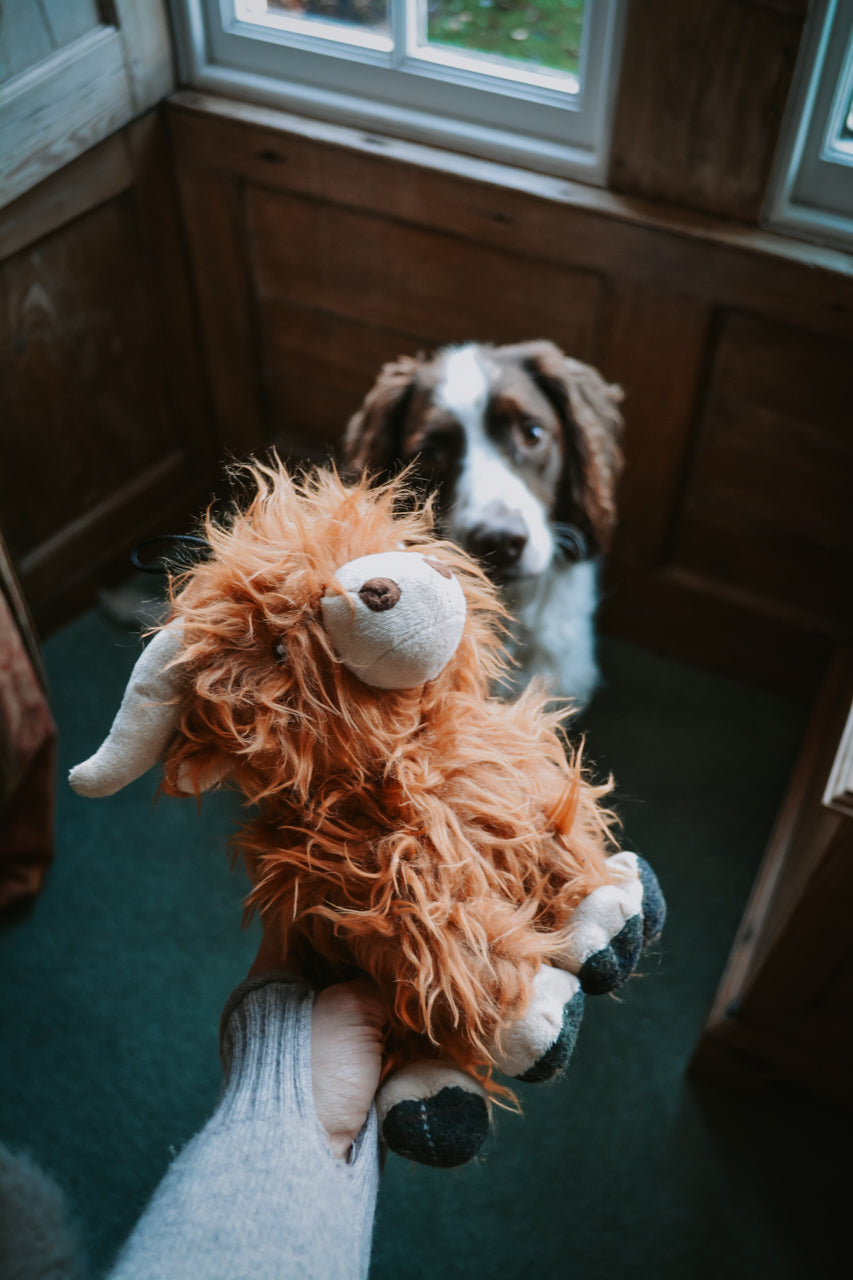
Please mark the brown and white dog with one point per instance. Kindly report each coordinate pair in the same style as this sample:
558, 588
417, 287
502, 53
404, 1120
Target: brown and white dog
522, 445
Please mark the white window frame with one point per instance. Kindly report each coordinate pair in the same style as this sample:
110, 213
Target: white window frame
533, 118
811, 189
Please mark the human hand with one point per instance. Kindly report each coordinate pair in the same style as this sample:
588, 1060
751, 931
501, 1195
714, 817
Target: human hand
346, 1046
346, 1058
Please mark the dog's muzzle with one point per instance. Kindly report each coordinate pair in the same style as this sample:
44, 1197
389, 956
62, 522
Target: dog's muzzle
498, 539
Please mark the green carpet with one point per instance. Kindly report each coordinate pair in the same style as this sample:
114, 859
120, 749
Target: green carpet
114, 980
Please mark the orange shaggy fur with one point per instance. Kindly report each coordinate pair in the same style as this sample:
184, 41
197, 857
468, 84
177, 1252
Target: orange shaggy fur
435, 838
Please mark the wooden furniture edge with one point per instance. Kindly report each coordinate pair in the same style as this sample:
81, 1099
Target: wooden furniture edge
729, 1049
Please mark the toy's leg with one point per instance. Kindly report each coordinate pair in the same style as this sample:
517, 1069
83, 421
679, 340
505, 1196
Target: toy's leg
611, 926
539, 1045
433, 1112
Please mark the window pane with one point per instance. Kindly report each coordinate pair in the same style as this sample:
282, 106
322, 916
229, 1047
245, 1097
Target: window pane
540, 33
333, 15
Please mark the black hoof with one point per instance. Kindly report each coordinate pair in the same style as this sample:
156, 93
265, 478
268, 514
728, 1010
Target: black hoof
654, 905
444, 1130
609, 968
556, 1059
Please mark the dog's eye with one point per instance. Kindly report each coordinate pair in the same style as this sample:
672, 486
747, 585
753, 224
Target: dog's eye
434, 452
279, 652
532, 433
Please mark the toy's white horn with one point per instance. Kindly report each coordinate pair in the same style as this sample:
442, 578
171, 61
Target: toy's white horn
143, 725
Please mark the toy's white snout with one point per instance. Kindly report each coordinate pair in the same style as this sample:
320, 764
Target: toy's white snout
399, 621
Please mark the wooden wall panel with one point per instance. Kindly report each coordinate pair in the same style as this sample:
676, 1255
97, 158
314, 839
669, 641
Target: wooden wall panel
701, 97
78, 384
223, 146
660, 392
443, 288
104, 431
317, 367
767, 504
385, 288
317, 255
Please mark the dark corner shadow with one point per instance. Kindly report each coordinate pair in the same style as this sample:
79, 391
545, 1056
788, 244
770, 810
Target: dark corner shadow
17, 912
784, 1155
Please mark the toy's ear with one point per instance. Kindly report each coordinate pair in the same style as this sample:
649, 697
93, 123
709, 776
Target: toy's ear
201, 772
144, 725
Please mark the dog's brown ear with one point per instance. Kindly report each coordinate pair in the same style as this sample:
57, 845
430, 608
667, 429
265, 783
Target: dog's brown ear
373, 440
589, 409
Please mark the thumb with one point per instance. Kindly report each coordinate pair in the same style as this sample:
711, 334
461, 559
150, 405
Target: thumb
346, 1057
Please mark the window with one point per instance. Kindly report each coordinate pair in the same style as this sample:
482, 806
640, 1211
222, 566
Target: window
812, 190
530, 83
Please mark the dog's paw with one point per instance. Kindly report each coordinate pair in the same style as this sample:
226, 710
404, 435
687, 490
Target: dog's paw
432, 1112
538, 1046
609, 929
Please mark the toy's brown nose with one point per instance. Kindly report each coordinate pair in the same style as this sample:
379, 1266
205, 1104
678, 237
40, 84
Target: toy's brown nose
380, 594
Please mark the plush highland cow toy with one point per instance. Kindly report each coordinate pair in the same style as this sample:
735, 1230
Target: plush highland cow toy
332, 660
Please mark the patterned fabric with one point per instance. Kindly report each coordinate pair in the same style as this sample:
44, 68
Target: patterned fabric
27, 740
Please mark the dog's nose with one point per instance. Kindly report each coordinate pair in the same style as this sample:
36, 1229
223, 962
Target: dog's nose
499, 539
380, 594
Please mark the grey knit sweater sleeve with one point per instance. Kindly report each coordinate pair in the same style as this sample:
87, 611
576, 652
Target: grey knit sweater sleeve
258, 1193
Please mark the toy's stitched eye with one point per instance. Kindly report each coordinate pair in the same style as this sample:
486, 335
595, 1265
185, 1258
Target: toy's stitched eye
279, 652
